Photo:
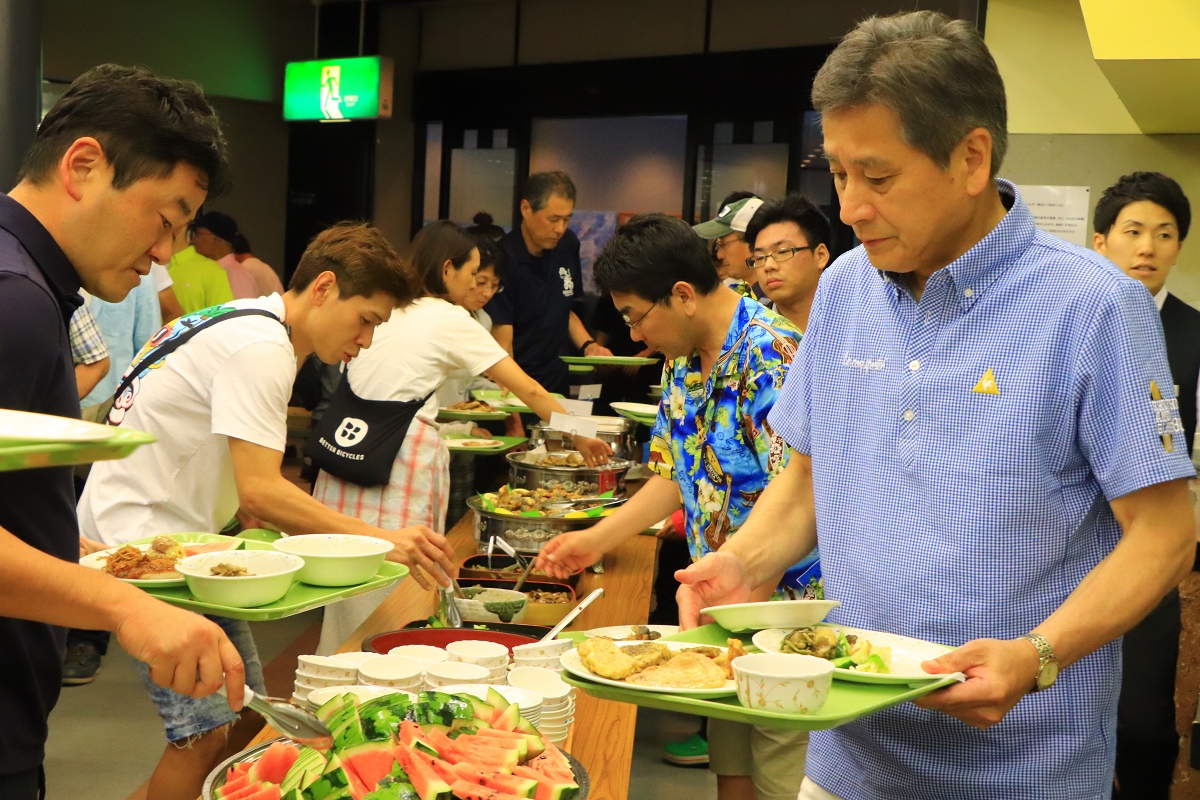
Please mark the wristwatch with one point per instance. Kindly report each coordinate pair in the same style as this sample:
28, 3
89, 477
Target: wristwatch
583, 347
1047, 671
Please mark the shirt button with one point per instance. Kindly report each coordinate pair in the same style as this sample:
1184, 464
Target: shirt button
909, 414
914, 365
968, 292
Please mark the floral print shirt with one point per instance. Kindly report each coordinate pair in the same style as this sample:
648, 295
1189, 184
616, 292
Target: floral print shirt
712, 437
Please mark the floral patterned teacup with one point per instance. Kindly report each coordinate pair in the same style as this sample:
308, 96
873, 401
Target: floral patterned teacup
783, 682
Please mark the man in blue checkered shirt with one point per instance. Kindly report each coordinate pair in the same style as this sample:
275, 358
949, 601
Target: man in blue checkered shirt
986, 443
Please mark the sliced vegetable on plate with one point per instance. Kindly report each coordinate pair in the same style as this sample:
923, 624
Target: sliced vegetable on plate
858, 655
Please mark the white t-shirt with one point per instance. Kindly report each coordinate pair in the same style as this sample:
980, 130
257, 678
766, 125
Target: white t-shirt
232, 379
413, 352
162, 276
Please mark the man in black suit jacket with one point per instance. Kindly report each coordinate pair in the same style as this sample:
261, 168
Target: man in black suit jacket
1141, 222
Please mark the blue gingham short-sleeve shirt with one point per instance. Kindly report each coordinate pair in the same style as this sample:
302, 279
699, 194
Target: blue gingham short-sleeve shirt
964, 447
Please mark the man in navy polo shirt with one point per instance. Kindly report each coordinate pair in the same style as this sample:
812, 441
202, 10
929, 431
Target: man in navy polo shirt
983, 421
535, 315
92, 207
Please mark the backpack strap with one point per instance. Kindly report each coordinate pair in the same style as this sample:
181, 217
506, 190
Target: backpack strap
175, 342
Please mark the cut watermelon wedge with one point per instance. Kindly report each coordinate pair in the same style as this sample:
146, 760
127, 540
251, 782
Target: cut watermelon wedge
273, 765
473, 791
246, 791
210, 547
369, 764
232, 784
422, 777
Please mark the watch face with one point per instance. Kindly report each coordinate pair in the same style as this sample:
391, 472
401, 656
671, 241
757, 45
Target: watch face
1047, 675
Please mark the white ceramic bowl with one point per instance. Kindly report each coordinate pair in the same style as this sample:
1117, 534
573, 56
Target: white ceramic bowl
449, 673
537, 663
474, 610
353, 659
421, 652
474, 651
540, 650
336, 559
741, 617
543, 682
318, 697
783, 682
326, 667
271, 575
307, 674
309, 682
392, 671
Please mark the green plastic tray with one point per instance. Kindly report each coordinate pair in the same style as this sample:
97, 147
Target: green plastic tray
582, 368
300, 598
43, 454
847, 701
495, 398
609, 361
487, 416
507, 443
643, 419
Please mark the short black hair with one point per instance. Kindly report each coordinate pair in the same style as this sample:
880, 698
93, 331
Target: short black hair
1138, 186
649, 254
491, 254
793, 207
146, 124
485, 225
241, 245
541, 185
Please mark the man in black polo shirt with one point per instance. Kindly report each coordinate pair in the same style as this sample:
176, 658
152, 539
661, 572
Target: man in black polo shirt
1140, 223
118, 168
535, 317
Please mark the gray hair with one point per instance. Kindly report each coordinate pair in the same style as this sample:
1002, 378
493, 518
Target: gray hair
935, 73
541, 185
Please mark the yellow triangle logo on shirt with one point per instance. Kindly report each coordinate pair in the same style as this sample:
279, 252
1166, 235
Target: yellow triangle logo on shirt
987, 384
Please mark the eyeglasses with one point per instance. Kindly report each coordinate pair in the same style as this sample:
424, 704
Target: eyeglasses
634, 325
726, 241
495, 286
779, 256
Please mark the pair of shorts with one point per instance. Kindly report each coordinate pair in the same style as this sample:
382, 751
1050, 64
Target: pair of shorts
185, 717
772, 757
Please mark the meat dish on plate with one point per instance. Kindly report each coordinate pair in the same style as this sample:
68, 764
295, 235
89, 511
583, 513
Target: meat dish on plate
655, 664
157, 562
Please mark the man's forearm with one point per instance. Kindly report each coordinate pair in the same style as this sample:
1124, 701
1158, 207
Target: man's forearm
1155, 553
656, 500
579, 332
782, 527
39, 587
277, 500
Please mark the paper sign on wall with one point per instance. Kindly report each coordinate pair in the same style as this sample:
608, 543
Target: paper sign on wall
581, 426
1061, 211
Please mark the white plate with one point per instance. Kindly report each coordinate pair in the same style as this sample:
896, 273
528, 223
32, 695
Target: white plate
97, 560
790, 614
574, 665
474, 442
22, 427
907, 655
621, 632
641, 409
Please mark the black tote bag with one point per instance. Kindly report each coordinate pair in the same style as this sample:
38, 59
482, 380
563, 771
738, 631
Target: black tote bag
357, 440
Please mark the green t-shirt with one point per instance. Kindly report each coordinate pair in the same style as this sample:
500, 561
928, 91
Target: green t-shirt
199, 282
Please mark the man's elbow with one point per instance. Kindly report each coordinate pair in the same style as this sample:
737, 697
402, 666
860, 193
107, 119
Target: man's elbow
255, 498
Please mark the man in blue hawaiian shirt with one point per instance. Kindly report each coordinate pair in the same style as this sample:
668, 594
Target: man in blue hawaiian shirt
712, 448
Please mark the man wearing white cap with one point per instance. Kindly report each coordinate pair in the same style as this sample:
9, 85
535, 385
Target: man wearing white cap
728, 228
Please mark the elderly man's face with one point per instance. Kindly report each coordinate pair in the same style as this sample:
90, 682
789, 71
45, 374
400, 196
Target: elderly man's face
909, 213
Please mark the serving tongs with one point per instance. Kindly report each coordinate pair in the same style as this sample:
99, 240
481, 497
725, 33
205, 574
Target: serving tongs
297, 724
564, 507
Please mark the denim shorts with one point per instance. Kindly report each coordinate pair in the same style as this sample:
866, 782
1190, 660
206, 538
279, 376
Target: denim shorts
184, 717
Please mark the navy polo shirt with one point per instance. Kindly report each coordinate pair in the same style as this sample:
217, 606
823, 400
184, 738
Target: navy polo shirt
538, 298
39, 291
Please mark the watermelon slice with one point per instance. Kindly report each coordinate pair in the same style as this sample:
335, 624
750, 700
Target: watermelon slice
367, 764
411, 735
473, 791
519, 744
422, 777
444, 770
333, 784
549, 787
247, 790
496, 758
472, 773
273, 765
308, 767
513, 784
554, 757
507, 719
533, 743
483, 710
270, 791
211, 547
333, 705
233, 782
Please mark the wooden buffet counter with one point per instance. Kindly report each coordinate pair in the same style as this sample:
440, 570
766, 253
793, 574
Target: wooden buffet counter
602, 737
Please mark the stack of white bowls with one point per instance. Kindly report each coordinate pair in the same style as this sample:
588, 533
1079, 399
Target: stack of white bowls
491, 656
392, 672
542, 655
449, 673
530, 703
558, 700
321, 672
426, 654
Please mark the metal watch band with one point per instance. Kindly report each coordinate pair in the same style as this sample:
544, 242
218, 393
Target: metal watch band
1045, 654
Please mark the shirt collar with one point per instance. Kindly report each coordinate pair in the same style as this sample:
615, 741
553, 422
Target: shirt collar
975, 270
1160, 298
37, 241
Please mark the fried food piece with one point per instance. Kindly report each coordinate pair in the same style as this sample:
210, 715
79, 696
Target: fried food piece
470, 405
684, 671
605, 659
725, 660
132, 564
648, 654
166, 547
708, 652
643, 634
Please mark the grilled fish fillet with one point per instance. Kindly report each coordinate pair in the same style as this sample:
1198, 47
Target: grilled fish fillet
684, 671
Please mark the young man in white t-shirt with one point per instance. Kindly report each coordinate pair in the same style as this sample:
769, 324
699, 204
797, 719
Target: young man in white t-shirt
218, 408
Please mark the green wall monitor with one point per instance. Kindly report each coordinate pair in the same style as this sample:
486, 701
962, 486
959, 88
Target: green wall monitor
338, 89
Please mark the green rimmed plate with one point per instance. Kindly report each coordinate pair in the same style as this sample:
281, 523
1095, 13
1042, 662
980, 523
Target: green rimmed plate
610, 361
33, 455
644, 413
445, 414
457, 444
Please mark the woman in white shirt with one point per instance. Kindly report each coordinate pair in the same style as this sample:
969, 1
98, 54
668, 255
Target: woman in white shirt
410, 356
